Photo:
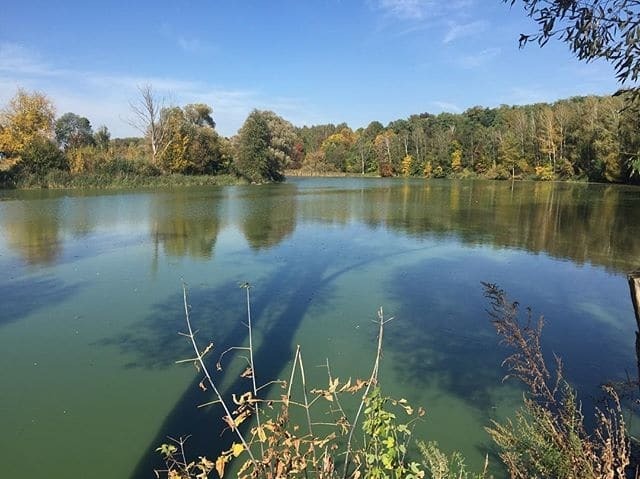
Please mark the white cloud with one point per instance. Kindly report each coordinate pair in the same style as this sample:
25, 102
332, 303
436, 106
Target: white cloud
447, 106
191, 45
480, 58
457, 31
417, 10
17, 59
405, 9
104, 97
527, 95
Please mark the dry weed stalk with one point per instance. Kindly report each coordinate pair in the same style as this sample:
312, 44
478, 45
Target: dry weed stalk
548, 437
276, 447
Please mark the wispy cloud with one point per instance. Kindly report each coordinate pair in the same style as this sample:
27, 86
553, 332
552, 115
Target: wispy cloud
416, 10
187, 43
479, 59
18, 59
104, 97
526, 95
406, 9
191, 45
447, 106
457, 31
453, 19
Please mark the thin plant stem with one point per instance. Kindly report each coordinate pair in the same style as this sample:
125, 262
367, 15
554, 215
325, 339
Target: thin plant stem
307, 406
293, 371
373, 378
202, 364
335, 393
247, 287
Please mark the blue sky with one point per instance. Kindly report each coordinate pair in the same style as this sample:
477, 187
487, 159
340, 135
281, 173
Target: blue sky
311, 62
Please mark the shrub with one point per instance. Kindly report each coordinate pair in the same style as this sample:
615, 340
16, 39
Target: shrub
499, 172
42, 155
548, 437
545, 173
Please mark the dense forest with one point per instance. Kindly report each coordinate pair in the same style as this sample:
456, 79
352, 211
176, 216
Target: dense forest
591, 138
594, 138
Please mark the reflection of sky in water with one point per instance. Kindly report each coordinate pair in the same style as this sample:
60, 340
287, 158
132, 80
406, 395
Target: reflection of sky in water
92, 296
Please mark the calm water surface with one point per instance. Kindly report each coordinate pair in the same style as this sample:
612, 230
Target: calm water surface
91, 303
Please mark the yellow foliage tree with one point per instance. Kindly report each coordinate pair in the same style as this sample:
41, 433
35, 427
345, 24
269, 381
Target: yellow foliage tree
428, 169
456, 159
407, 165
338, 149
26, 117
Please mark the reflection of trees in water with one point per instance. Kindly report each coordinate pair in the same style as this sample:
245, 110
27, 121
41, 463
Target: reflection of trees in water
584, 223
268, 214
33, 231
185, 225
81, 216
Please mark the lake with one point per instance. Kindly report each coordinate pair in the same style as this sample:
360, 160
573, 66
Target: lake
92, 303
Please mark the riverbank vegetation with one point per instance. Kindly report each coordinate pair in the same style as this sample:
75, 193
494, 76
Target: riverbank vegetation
179, 146
595, 138
349, 429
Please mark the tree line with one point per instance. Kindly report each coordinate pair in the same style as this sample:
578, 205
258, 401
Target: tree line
594, 138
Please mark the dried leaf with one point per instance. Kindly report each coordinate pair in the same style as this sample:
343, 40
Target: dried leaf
333, 385
360, 383
262, 436
244, 467
241, 418
346, 386
220, 464
246, 397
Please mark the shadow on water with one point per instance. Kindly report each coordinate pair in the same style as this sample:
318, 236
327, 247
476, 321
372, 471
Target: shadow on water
454, 348
278, 306
449, 346
22, 297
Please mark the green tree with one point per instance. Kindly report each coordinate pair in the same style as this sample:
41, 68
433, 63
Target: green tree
338, 150
282, 139
199, 114
508, 155
192, 145
73, 131
254, 159
102, 137
456, 156
42, 155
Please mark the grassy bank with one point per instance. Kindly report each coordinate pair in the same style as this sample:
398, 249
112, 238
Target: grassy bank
328, 174
62, 179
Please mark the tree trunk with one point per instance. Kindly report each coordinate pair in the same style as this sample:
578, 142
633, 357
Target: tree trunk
634, 289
